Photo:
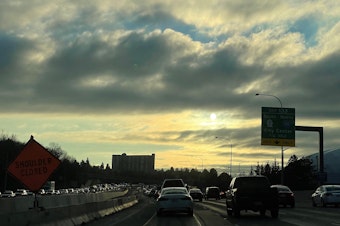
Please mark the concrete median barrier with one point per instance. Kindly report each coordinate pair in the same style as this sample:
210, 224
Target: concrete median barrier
63, 210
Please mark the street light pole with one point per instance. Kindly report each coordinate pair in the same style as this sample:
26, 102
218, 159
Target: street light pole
268, 95
231, 156
282, 156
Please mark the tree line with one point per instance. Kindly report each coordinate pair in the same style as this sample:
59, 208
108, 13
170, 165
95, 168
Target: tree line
298, 173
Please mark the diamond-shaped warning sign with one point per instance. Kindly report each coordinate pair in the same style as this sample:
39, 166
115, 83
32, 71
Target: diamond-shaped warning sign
34, 165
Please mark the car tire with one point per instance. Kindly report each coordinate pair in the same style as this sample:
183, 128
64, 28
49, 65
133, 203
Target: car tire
229, 211
323, 203
313, 203
191, 213
263, 213
236, 212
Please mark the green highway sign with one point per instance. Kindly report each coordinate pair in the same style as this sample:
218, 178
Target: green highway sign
278, 126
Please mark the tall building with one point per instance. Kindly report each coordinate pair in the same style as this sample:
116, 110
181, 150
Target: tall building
133, 163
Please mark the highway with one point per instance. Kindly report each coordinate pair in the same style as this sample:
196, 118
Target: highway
213, 213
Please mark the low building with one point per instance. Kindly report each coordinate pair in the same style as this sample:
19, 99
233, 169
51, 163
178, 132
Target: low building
133, 163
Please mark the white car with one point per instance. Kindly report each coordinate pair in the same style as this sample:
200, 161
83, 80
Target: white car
8, 194
326, 195
21, 192
176, 200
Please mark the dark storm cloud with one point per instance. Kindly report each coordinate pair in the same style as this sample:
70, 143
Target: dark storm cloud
179, 77
312, 87
14, 69
131, 62
135, 57
12, 51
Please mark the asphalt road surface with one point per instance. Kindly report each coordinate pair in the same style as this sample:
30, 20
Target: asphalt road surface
213, 213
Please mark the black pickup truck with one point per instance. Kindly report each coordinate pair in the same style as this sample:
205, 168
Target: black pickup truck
251, 193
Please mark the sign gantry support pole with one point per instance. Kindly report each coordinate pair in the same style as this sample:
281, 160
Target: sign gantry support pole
320, 131
282, 155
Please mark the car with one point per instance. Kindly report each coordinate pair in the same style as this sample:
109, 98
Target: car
286, 196
42, 192
252, 193
222, 194
212, 192
21, 192
196, 193
8, 194
326, 195
174, 200
30, 192
172, 183
50, 192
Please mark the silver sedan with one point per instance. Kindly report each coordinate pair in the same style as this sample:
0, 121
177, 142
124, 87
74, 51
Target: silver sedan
326, 195
174, 199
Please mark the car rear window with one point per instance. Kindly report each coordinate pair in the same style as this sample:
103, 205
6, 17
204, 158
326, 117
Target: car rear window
333, 188
252, 182
174, 191
283, 189
173, 183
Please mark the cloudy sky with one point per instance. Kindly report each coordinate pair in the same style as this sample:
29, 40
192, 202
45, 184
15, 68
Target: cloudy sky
167, 77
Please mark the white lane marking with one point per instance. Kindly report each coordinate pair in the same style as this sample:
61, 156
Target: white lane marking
196, 219
146, 223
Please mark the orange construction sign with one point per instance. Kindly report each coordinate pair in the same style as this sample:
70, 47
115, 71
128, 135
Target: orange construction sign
34, 165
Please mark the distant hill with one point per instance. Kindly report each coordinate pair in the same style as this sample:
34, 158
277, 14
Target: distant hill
331, 165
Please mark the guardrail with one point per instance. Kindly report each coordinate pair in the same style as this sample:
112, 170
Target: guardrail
72, 209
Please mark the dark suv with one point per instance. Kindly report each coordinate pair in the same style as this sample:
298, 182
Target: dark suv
212, 192
252, 193
196, 193
172, 183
